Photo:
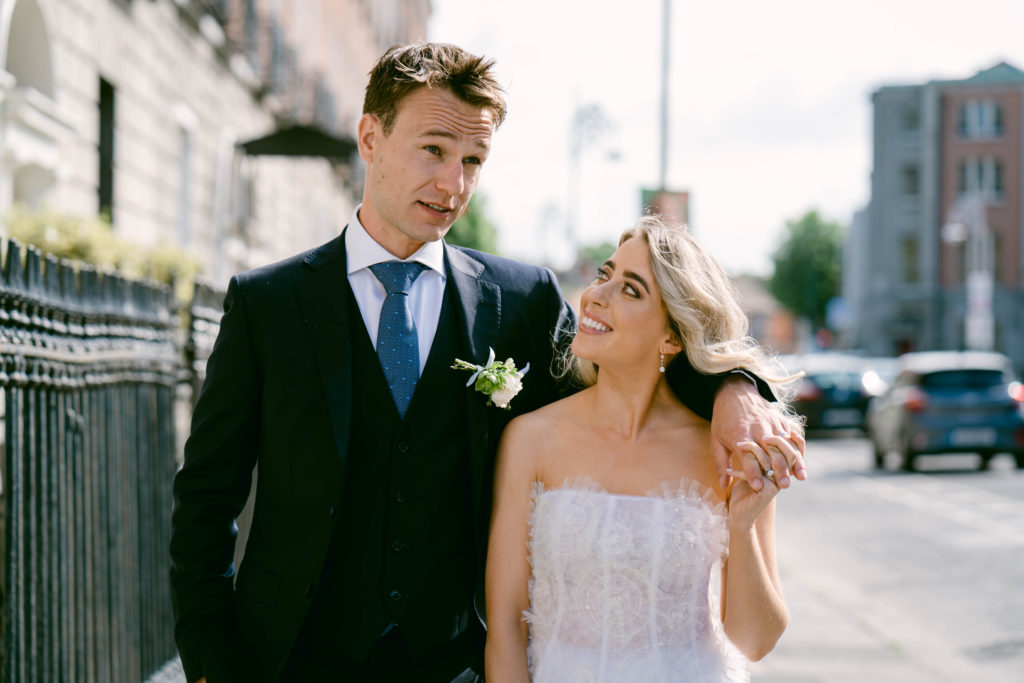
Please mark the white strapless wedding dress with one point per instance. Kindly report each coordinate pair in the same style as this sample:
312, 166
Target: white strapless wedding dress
625, 588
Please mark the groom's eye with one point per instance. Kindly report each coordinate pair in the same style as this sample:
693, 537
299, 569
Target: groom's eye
601, 274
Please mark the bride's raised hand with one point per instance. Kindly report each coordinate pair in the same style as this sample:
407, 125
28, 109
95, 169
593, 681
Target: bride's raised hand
745, 503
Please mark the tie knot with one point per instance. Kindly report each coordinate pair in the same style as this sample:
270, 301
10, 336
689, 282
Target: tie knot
397, 276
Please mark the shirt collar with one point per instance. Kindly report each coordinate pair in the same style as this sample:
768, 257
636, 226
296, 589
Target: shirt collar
362, 251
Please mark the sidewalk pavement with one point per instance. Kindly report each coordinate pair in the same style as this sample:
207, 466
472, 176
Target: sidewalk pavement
170, 673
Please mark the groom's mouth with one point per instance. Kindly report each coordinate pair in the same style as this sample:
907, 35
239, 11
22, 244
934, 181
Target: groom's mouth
437, 209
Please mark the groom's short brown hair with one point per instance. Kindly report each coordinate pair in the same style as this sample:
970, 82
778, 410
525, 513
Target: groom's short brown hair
404, 69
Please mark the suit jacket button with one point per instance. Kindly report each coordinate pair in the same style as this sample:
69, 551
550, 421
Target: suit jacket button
396, 595
396, 546
399, 496
403, 447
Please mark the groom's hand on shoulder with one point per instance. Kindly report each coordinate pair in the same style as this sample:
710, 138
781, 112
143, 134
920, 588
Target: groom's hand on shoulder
742, 415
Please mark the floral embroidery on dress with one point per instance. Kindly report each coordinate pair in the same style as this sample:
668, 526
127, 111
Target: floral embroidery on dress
625, 588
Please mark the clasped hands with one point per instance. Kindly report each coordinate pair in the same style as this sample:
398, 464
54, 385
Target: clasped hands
751, 439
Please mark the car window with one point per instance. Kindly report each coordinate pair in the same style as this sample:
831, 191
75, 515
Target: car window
963, 379
835, 380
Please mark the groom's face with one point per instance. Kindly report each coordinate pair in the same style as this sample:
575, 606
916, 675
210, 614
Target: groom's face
421, 174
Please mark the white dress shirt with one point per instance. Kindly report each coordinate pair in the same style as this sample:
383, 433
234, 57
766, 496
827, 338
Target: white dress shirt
425, 295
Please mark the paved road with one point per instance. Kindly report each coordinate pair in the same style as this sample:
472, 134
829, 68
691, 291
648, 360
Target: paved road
896, 577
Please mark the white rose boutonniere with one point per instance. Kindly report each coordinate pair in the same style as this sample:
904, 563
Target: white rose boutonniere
499, 382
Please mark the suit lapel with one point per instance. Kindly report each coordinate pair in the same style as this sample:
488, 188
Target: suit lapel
326, 310
480, 302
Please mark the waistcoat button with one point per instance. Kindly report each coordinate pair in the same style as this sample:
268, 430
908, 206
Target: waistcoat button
399, 496
403, 447
396, 595
396, 546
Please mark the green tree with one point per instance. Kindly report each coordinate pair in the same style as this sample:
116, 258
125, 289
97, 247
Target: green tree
473, 229
808, 266
596, 254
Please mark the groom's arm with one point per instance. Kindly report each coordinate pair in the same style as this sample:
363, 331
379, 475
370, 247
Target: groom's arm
698, 391
209, 493
739, 407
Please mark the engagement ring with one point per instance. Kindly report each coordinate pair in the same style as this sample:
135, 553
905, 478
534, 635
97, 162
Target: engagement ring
770, 473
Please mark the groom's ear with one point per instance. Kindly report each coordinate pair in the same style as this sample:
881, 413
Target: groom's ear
368, 134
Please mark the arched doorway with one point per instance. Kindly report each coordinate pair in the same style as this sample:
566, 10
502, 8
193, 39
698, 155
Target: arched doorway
27, 54
30, 127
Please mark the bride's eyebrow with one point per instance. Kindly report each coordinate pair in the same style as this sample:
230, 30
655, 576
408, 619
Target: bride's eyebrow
633, 276
609, 264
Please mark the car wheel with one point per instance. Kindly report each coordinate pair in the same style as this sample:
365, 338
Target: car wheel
907, 459
1019, 457
879, 456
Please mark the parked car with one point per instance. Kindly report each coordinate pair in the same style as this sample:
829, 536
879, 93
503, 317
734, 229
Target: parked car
831, 394
949, 402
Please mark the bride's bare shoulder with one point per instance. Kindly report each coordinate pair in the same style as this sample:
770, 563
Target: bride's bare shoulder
543, 425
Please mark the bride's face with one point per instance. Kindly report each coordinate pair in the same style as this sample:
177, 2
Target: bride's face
623, 321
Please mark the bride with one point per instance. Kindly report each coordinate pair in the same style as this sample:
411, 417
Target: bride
615, 554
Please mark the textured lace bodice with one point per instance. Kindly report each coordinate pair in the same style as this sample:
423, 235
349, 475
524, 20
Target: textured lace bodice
625, 588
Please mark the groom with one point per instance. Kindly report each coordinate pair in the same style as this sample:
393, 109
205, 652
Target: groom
332, 372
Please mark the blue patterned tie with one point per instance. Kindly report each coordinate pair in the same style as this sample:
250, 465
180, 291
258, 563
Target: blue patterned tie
398, 347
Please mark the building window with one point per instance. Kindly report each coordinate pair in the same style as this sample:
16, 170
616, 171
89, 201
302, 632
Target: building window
106, 149
911, 180
910, 119
996, 172
185, 188
980, 119
997, 259
910, 264
187, 126
981, 174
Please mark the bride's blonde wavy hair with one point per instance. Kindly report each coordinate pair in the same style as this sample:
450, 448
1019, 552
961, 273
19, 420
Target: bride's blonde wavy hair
703, 308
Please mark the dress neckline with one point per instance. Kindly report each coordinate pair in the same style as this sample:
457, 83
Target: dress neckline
687, 488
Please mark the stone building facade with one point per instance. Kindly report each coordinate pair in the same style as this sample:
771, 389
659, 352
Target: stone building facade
139, 109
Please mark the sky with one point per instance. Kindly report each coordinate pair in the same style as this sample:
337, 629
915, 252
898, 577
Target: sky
769, 107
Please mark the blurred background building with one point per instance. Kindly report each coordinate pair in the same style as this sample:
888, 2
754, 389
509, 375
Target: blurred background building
938, 147
770, 323
168, 116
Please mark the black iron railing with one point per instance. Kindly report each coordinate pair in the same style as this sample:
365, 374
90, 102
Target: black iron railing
89, 363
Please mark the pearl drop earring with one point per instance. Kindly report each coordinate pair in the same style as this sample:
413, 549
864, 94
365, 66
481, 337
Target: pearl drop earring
661, 368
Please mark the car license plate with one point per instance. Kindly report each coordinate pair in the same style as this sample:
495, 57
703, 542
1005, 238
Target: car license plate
840, 416
973, 436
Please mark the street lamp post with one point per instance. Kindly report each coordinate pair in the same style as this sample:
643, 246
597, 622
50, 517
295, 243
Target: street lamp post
966, 224
589, 123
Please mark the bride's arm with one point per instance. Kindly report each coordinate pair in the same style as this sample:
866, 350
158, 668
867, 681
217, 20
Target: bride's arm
508, 567
754, 612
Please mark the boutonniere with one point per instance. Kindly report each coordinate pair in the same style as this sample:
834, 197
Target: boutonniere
499, 382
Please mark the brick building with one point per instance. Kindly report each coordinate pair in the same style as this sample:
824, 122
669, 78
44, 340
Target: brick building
935, 144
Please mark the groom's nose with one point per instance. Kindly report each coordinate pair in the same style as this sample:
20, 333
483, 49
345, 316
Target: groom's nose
450, 178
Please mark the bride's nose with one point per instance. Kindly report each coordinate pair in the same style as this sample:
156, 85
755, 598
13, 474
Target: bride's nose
598, 294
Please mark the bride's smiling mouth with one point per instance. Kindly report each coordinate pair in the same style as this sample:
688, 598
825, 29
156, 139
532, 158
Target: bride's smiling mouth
589, 323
